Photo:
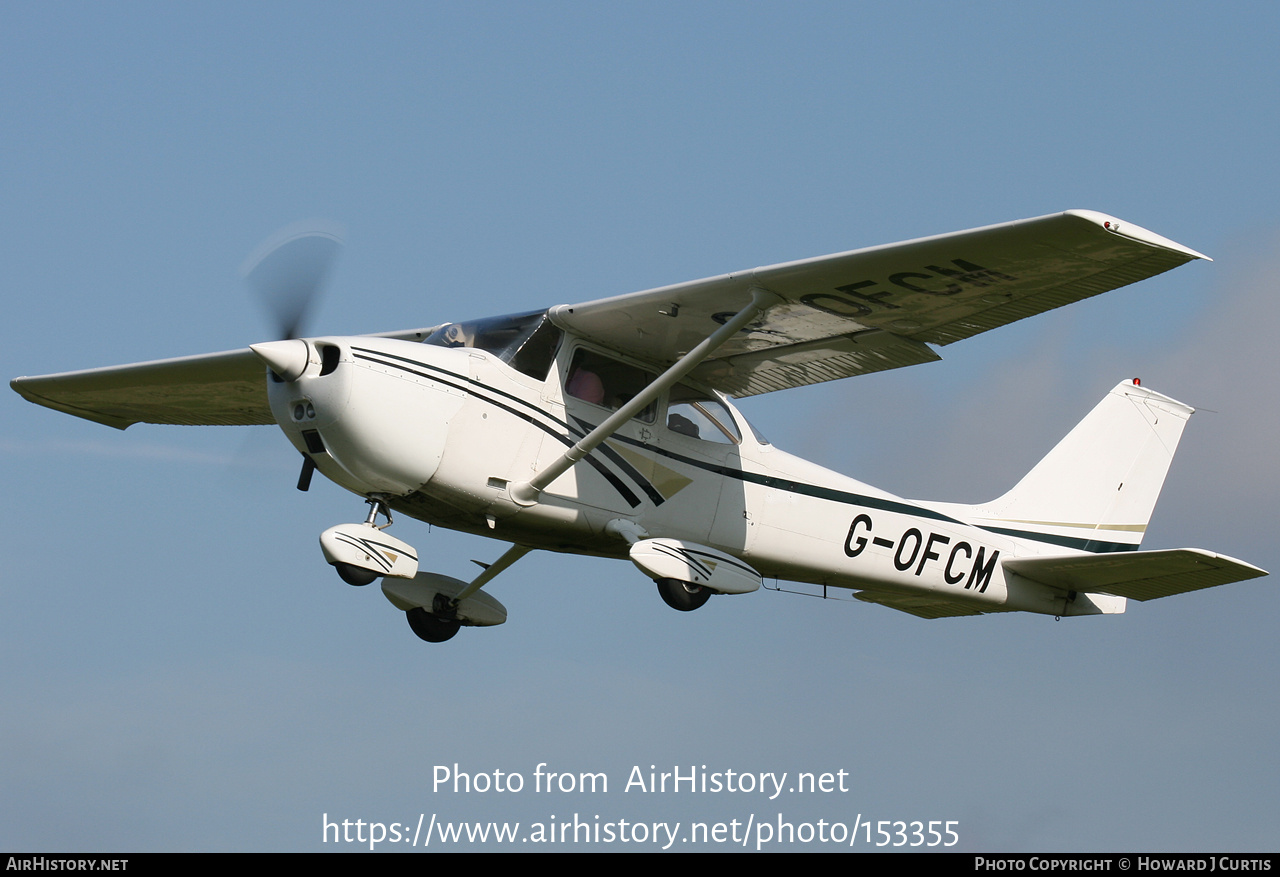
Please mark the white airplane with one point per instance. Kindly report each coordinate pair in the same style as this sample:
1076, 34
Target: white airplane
606, 429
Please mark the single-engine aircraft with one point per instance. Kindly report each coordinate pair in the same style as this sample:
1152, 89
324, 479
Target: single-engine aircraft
606, 428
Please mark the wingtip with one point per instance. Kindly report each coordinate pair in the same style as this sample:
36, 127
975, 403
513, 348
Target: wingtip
1136, 233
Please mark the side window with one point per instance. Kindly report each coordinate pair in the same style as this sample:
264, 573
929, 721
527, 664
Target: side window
606, 382
698, 415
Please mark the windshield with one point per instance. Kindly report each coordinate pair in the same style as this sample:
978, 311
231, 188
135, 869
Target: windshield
526, 342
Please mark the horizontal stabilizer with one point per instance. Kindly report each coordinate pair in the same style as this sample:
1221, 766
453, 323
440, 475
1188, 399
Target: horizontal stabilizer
1142, 575
917, 605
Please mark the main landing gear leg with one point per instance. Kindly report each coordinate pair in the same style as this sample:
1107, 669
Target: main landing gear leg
441, 622
358, 576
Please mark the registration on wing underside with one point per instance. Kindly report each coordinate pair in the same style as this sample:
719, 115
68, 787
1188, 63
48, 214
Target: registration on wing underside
877, 308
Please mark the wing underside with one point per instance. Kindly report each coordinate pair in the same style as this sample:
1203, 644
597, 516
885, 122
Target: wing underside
211, 389
214, 389
878, 308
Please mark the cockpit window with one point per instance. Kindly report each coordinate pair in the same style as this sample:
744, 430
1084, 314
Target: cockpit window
606, 382
526, 342
699, 415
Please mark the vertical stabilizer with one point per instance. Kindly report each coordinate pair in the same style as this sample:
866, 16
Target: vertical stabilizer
1096, 489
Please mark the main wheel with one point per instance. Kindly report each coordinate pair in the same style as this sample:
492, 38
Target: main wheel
431, 628
682, 595
354, 575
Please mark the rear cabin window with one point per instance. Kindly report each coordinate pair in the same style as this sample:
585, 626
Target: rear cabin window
698, 415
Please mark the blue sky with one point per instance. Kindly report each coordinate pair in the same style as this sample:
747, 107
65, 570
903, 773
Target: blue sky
181, 670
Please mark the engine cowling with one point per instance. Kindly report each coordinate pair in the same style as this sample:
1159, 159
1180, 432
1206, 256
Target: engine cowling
369, 426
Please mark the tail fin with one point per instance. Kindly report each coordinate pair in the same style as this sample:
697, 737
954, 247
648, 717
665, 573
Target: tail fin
1096, 489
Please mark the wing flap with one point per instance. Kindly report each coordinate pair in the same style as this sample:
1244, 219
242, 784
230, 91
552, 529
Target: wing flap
213, 389
1141, 575
812, 362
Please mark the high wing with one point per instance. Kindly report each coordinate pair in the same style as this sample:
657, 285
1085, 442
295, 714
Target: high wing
878, 308
840, 315
211, 389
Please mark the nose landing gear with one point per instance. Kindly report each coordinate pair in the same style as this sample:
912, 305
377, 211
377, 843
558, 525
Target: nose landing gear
435, 606
363, 552
354, 575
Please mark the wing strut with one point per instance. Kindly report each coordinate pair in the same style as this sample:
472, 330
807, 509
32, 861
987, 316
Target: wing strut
526, 492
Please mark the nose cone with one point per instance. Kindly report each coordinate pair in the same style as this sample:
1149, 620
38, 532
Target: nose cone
288, 359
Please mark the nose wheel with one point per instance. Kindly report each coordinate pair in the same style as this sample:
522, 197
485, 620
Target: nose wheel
354, 575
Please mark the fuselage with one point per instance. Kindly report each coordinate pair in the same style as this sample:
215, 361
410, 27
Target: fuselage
443, 432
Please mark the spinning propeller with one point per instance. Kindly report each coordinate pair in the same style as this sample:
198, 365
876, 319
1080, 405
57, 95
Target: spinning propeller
289, 269
287, 273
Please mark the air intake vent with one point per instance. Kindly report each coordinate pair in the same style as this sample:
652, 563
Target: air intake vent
329, 355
